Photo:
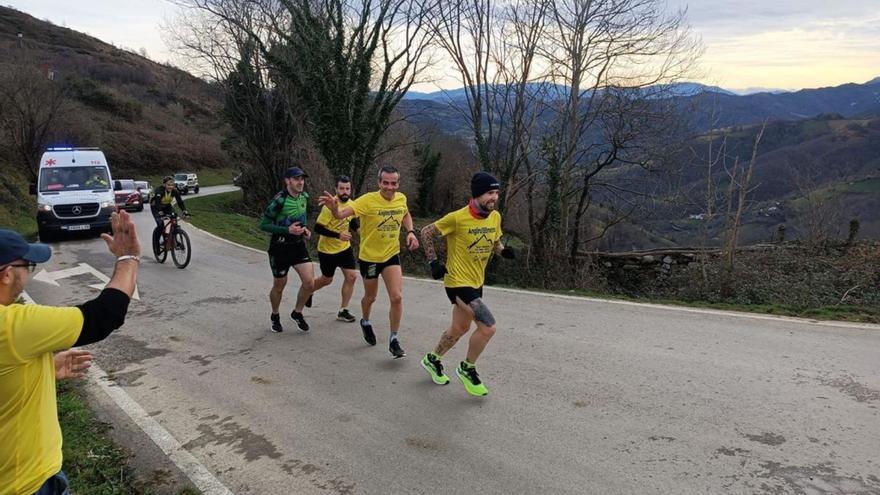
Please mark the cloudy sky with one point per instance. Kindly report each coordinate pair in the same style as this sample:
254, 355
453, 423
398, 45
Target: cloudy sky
789, 44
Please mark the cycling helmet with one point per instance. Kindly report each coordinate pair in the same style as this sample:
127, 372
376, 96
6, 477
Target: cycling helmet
167, 178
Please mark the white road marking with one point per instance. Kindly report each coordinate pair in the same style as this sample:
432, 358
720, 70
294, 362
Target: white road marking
52, 278
206, 482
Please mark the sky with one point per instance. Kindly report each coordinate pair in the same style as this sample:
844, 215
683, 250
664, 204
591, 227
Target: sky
775, 44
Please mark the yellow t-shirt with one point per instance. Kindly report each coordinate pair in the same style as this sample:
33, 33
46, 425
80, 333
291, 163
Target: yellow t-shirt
331, 245
380, 225
470, 242
30, 436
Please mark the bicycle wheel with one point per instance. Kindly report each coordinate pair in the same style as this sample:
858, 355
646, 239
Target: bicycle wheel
181, 252
158, 247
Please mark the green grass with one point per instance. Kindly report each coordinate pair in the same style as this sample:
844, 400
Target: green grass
92, 462
866, 186
218, 214
20, 221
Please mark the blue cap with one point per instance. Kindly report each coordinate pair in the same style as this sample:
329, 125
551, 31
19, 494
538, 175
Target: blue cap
14, 247
294, 172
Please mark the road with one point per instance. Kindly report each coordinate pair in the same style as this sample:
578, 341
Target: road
586, 396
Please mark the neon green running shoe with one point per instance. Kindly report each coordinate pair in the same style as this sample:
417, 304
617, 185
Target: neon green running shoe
471, 380
435, 369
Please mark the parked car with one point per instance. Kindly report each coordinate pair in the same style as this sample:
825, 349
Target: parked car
144, 188
186, 182
127, 196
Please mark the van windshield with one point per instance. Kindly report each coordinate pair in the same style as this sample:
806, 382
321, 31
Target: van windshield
74, 179
180, 177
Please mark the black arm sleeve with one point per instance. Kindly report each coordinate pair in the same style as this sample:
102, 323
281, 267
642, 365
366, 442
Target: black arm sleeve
179, 199
324, 231
102, 315
353, 225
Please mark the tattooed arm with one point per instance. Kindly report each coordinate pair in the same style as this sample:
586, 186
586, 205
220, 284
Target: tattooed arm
428, 232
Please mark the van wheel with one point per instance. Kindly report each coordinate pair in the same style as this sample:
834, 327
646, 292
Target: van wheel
196, 190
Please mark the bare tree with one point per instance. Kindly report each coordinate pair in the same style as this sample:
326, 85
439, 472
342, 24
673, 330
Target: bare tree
559, 92
820, 216
29, 106
348, 62
738, 194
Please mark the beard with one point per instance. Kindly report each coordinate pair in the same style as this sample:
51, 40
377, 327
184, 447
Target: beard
344, 197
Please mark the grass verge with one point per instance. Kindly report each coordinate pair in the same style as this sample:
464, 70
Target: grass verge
219, 215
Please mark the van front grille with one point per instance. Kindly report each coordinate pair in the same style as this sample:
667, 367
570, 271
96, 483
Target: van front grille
77, 210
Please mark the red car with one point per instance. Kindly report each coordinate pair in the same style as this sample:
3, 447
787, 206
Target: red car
127, 196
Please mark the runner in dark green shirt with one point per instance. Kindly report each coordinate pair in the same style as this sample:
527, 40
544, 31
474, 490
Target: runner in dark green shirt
286, 219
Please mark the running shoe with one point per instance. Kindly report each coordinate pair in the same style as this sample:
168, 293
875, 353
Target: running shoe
344, 315
369, 336
395, 349
471, 380
300, 321
309, 301
276, 323
435, 369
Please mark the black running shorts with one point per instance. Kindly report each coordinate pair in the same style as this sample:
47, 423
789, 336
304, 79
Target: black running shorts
330, 262
466, 294
373, 270
281, 258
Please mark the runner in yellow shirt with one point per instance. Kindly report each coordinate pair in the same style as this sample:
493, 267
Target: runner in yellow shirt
334, 248
382, 213
473, 234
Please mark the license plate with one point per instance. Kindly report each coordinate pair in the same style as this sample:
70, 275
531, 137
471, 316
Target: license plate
78, 227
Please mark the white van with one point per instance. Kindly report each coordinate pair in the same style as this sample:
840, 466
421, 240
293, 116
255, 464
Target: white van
73, 192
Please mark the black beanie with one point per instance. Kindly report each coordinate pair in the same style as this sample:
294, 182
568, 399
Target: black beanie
483, 182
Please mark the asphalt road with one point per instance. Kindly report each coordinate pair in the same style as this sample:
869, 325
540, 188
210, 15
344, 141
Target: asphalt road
585, 396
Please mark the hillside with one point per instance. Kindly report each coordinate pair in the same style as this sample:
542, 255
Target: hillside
821, 170
150, 119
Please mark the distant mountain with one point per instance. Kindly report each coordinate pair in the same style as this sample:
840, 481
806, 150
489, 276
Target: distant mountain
677, 89
708, 107
755, 90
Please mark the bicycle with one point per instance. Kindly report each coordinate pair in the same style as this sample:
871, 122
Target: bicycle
174, 240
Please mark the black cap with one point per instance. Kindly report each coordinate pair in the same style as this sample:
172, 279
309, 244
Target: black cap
295, 172
14, 247
483, 182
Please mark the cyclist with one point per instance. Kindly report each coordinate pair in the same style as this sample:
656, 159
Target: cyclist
163, 198
334, 248
473, 234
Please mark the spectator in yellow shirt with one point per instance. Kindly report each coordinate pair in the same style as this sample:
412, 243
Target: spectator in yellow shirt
30, 436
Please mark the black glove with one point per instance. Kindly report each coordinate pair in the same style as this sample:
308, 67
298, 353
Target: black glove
508, 253
438, 269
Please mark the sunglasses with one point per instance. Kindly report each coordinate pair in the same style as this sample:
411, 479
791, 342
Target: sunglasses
30, 265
